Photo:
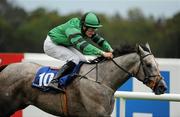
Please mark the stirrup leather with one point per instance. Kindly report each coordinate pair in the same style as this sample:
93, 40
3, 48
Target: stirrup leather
55, 86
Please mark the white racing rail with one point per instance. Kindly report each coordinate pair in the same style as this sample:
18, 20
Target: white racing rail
123, 95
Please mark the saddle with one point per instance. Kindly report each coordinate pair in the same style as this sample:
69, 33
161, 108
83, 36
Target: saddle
46, 73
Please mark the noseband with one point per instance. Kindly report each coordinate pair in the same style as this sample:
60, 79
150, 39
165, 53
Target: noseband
147, 77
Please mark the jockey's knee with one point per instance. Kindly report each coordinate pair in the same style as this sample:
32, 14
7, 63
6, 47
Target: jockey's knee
76, 60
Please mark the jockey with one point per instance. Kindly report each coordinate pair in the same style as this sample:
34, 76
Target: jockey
72, 40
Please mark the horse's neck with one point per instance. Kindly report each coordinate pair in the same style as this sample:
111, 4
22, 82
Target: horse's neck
108, 73
114, 77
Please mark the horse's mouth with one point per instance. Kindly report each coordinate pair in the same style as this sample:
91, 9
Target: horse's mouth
160, 88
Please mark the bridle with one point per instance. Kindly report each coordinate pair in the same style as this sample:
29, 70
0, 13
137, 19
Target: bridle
147, 80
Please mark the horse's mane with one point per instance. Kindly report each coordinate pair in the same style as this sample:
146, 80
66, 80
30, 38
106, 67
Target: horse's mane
127, 49
123, 50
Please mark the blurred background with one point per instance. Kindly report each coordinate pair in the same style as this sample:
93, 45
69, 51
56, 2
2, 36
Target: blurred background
24, 24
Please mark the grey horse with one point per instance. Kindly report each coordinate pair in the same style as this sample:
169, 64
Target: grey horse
91, 94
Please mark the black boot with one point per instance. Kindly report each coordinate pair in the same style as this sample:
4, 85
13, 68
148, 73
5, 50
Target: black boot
66, 69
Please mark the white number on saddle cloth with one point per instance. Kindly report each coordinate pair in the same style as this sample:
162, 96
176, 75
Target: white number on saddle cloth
45, 78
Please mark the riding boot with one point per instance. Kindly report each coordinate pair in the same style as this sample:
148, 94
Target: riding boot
66, 69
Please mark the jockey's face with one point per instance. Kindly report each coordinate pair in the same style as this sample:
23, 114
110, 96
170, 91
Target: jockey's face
89, 31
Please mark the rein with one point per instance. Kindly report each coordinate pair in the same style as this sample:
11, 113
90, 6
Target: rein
145, 81
129, 74
96, 61
147, 77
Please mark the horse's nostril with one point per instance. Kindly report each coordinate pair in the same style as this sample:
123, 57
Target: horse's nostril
160, 90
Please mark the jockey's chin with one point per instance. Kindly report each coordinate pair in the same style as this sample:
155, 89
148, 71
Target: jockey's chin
89, 36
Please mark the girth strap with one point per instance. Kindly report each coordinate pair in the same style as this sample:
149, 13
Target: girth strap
64, 106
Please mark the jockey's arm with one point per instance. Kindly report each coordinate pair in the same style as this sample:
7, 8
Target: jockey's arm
102, 43
81, 44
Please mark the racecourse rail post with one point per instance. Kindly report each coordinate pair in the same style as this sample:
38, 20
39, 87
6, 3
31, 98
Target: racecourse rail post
123, 95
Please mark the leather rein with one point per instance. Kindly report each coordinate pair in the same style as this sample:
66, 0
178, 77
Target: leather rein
147, 77
145, 81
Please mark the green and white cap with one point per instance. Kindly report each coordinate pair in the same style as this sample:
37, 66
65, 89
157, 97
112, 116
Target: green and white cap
91, 20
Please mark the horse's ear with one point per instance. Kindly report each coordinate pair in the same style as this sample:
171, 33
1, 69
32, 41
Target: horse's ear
147, 45
137, 47
141, 51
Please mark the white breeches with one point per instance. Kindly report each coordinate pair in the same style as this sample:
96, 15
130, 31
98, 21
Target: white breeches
64, 53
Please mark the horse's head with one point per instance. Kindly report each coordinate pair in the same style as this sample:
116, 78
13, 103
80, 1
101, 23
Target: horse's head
148, 71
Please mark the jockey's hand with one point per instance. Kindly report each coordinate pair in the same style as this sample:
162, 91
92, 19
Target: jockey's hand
108, 55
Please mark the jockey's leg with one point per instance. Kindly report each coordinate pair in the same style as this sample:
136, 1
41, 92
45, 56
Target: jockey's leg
62, 53
66, 69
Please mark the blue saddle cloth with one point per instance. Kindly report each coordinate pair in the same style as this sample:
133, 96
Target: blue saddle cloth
45, 74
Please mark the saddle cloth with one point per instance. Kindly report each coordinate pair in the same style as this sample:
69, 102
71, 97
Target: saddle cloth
45, 74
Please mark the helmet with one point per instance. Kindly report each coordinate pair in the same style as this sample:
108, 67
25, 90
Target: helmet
91, 20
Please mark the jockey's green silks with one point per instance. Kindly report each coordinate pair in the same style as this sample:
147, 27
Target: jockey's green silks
69, 34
